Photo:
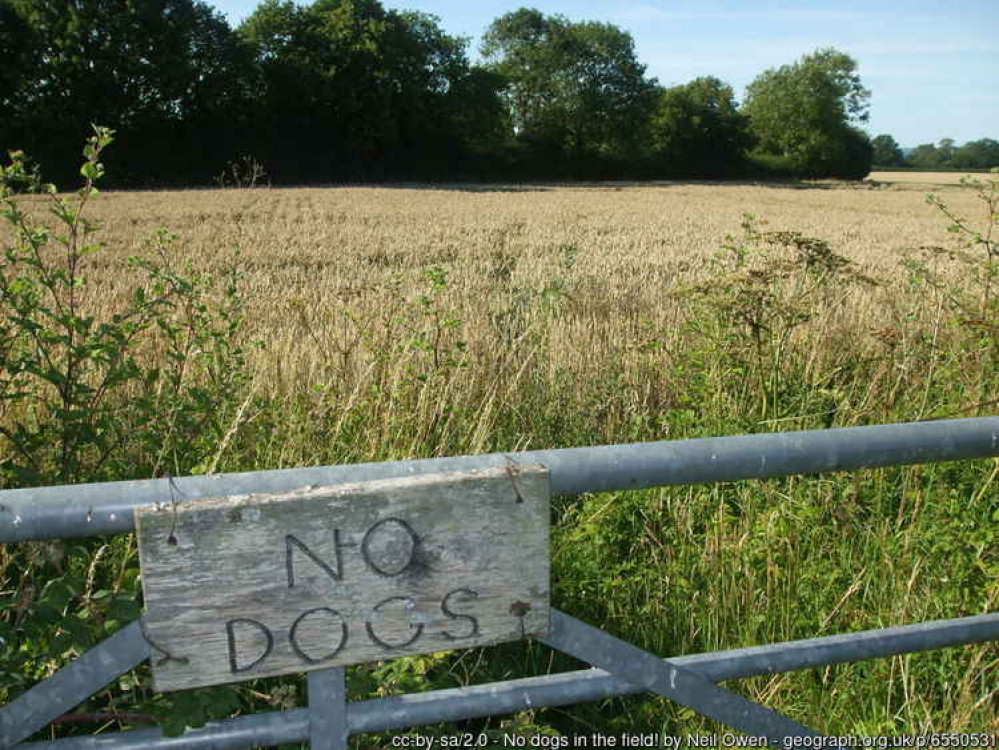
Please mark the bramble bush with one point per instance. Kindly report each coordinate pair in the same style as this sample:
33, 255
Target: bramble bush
157, 386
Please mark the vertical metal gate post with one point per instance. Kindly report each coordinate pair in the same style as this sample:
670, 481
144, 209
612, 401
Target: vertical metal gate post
328, 709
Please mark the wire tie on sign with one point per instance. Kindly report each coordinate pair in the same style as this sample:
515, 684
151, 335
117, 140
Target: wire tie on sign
172, 485
511, 467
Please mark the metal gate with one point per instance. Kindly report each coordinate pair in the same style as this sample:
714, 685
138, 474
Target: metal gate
619, 668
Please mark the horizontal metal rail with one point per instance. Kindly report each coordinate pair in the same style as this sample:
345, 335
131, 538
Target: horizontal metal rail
671, 680
579, 686
106, 508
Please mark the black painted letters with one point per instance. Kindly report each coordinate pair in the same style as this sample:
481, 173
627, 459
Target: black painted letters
291, 542
230, 631
314, 614
409, 604
386, 559
389, 548
446, 609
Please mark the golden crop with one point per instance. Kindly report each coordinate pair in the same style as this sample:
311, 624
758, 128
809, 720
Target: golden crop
314, 254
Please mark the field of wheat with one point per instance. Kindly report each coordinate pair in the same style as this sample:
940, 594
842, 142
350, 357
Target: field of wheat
406, 321
314, 255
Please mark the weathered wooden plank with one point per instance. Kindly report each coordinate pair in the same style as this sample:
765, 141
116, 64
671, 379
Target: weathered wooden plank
255, 586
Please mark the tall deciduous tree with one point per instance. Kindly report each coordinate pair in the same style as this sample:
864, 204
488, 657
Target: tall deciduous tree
169, 75
887, 152
324, 110
355, 90
576, 88
697, 129
804, 113
16, 44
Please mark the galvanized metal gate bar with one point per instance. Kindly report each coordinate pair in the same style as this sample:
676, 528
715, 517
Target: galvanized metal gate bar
580, 686
670, 680
86, 510
106, 508
327, 709
72, 684
253, 731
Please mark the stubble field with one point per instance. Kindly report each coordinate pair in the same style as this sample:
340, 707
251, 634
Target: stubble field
419, 321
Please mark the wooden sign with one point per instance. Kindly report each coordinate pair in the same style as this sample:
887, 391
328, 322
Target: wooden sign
241, 588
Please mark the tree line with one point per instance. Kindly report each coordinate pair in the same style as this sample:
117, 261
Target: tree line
980, 154
346, 90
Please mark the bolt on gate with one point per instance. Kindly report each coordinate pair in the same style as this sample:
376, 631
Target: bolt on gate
396, 525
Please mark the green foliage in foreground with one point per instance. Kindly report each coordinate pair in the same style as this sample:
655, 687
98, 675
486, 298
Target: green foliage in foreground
143, 390
675, 570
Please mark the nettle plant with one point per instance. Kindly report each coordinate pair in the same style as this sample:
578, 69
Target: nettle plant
88, 393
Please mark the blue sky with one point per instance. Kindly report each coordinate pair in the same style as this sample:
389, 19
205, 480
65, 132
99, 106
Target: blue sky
932, 67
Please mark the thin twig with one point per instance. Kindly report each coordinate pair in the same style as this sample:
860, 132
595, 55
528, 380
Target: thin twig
100, 718
172, 538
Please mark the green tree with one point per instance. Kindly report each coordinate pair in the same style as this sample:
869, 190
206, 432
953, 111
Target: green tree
16, 45
357, 89
980, 154
574, 88
170, 73
697, 129
803, 113
887, 152
926, 156
946, 147
476, 115
429, 76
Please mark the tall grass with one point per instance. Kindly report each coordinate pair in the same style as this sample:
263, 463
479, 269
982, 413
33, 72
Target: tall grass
405, 323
